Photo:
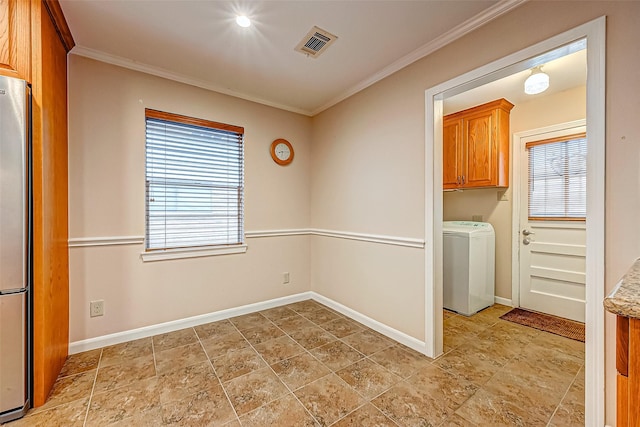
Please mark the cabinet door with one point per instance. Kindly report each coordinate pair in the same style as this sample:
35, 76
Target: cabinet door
479, 170
451, 153
15, 39
50, 199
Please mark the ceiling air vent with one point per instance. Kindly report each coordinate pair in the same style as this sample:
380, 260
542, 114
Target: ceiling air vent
315, 42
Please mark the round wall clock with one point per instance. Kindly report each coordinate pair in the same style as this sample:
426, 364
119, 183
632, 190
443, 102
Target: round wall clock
281, 152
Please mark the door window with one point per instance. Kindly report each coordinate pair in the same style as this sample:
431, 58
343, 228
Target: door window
557, 183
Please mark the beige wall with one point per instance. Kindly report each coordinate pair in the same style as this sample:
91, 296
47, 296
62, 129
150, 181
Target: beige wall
363, 173
106, 198
458, 206
539, 112
368, 177
368, 159
550, 110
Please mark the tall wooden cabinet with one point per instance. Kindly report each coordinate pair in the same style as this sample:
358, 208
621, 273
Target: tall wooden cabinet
51, 41
476, 146
34, 42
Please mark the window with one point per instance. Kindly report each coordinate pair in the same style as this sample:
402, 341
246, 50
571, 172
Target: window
558, 178
195, 182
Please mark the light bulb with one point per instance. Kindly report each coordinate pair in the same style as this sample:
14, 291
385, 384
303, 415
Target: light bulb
537, 82
243, 21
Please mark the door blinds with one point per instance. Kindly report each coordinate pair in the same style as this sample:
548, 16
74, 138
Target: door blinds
195, 182
558, 178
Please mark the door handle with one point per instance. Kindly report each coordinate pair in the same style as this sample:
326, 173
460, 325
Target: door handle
526, 232
526, 241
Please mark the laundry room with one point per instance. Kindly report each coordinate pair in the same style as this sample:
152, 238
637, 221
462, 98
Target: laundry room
493, 187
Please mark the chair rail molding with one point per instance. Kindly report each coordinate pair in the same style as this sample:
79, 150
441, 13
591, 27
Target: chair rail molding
411, 242
79, 242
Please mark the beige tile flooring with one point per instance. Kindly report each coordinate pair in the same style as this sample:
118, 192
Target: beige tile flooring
306, 365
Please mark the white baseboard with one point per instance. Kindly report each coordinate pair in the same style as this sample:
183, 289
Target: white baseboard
386, 330
503, 301
162, 328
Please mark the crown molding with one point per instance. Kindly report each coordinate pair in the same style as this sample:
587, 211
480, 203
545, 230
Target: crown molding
170, 75
455, 33
450, 36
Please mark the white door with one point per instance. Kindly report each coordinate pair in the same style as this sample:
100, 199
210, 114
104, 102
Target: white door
552, 227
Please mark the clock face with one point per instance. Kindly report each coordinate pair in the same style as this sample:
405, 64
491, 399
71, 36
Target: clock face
282, 152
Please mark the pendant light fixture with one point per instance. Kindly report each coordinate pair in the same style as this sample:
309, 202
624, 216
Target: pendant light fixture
537, 82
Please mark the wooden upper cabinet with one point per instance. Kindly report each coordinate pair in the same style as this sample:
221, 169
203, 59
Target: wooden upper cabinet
15, 39
476, 146
451, 152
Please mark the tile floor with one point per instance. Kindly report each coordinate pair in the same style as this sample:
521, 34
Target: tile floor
306, 365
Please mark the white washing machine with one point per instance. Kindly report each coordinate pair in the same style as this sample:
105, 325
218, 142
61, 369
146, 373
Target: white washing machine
469, 266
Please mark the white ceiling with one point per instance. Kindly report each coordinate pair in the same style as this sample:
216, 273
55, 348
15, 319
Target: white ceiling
198, 42
565, 72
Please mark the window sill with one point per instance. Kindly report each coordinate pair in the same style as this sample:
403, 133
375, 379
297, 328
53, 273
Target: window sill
167, 254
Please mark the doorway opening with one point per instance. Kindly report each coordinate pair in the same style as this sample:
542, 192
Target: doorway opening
593, 34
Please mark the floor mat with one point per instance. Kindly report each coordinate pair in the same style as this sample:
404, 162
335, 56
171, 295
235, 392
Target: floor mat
545, 322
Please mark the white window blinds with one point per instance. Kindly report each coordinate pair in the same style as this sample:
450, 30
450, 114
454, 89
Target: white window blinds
195, 182
558, 178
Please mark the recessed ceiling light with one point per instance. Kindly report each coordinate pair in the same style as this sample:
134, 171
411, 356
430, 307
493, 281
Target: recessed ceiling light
243, 21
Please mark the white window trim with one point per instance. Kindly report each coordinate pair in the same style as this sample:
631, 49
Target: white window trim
200, 251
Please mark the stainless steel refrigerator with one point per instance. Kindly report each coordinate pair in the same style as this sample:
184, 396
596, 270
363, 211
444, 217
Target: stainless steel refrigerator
15, 249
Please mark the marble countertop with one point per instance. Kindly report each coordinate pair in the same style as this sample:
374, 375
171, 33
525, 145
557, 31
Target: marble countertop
624, 300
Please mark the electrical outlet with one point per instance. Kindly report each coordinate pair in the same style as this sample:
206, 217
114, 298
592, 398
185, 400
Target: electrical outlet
285, 278
96, 308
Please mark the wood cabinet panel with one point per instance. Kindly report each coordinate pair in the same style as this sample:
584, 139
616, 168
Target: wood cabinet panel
622, 403
481, 147
15, 39
50, 197
622, 345
451, 152
633, 393
628, 366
